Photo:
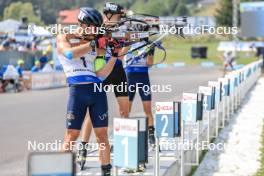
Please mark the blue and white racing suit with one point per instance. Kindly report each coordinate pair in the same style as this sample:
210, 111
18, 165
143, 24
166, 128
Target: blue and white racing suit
136, 69
83, 94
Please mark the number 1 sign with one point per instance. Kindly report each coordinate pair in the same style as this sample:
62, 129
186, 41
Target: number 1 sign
126, 143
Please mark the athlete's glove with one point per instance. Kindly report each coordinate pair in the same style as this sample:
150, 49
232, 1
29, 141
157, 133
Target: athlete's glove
101, 42
114, 46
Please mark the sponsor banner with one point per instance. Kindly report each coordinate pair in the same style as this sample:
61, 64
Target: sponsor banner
164, 107
47, 80
125, 127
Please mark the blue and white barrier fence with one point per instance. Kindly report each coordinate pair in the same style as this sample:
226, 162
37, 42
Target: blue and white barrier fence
196, 119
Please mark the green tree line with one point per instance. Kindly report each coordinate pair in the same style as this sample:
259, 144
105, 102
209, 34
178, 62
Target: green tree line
46, 11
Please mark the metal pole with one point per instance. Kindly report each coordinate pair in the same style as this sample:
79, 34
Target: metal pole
217, 119
223, 111
235, 24
115, 171
232, 103
157, 161
198, 142
227, 107
208, 128
182, 149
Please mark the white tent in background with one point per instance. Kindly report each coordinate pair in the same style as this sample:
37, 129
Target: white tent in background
9, 26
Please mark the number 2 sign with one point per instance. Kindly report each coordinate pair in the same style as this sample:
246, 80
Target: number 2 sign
165, 119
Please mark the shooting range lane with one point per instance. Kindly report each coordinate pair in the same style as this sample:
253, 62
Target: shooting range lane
242, 138
40, 115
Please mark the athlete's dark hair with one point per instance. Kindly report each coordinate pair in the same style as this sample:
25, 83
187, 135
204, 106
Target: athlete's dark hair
88, 15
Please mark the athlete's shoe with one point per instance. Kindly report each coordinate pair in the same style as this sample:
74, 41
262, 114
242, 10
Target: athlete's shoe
151, 136
82, 158
106, 170
82, 155
141, 168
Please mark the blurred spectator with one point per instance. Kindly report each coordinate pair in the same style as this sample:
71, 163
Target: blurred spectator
58, 68
7, 44
20, 67
1, 72
36, 67
22, 48
49, 48
10, 78
34, 46
43, 59
1, 79
51, 62
228, 59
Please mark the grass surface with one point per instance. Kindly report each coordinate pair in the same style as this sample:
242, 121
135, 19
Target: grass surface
261, 170
179, 50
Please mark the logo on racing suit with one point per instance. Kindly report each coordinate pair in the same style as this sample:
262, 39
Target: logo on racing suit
146, 93
70, 116
103, 116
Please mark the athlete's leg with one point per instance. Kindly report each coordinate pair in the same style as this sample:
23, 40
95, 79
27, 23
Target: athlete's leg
123, 103
86, 133
148, 112
86, 129
151, 129
76, 111
130, 105
103, 143
69, 139
99, 118
145, 94
119, 79
131, 83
